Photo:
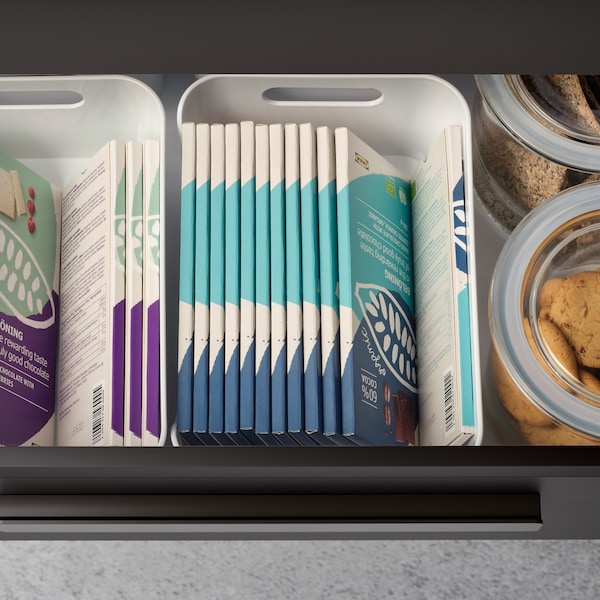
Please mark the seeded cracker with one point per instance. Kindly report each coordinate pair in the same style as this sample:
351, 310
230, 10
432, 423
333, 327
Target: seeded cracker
576, 104
563, 98
527, 177
519, 179
590, 84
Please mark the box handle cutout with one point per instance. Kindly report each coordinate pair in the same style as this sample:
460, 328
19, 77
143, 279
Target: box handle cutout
315, 96
40, 99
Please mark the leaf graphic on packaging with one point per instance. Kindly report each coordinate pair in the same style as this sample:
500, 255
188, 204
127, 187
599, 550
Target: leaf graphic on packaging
23, 286
153, 239
120, 230
136, 231
391, 331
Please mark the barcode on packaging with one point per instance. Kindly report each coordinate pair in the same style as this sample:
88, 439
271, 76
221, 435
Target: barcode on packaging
98, 414
449, 405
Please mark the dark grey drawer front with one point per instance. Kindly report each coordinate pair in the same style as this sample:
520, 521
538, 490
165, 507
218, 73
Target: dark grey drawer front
301, 493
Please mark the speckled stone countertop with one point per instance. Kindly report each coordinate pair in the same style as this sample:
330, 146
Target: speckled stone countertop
532, 569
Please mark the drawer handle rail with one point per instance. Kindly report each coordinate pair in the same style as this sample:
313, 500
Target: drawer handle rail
268, 514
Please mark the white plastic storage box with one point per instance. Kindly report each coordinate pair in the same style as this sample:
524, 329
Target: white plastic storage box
397, 115
55, 124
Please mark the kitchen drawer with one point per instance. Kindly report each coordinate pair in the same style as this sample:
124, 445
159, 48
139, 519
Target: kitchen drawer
264, 493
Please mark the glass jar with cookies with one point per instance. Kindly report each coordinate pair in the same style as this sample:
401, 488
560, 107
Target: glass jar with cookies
533, 136
543, 375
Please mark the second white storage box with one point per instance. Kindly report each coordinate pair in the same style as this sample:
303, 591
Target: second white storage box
397, 115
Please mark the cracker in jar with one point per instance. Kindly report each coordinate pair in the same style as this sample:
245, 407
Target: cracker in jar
575, 102
590, 84
575, 309
522, 409
590, 381
558, 346
547, 291
561, 96
555, 435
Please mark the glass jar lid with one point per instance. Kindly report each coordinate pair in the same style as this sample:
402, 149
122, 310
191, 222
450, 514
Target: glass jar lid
551, 114
559, 237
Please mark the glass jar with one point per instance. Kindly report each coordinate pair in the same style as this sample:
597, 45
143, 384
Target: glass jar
533, 136
543, 375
